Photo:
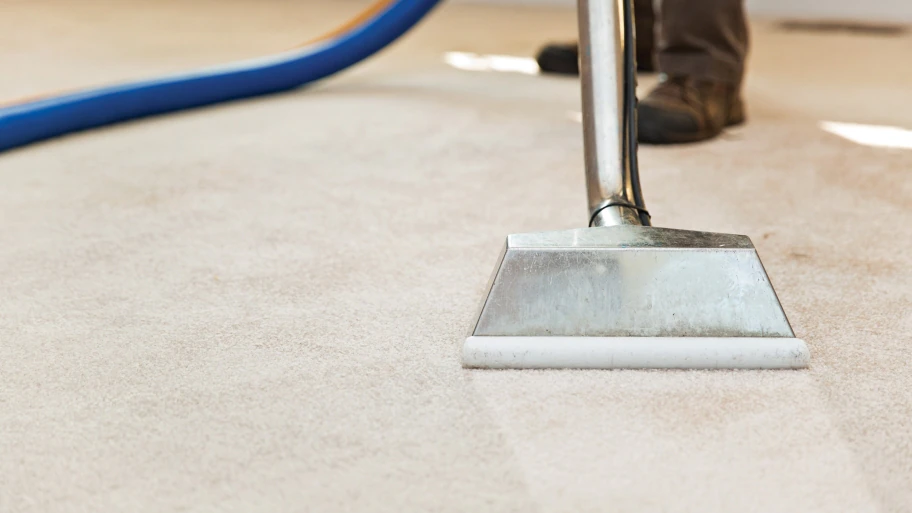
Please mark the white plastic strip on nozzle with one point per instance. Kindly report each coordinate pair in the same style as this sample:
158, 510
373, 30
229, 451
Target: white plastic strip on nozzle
634, 353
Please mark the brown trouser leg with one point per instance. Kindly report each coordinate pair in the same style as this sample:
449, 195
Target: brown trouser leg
704, 39
644, 17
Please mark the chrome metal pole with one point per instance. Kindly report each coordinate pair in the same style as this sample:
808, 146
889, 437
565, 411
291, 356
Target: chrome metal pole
608, 168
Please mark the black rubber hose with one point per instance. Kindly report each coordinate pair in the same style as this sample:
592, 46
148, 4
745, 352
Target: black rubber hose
630, 110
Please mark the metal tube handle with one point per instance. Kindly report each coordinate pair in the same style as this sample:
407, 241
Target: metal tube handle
609, 180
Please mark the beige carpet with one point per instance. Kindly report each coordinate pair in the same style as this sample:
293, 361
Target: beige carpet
260, 307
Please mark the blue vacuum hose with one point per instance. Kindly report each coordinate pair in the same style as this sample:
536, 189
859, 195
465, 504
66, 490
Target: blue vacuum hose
42, 119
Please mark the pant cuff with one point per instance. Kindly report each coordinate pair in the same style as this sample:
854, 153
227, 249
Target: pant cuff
700, 67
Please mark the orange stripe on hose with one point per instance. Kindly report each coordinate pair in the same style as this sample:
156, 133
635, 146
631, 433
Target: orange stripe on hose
351, 24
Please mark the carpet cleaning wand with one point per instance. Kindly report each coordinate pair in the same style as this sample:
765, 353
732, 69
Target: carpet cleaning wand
622, 294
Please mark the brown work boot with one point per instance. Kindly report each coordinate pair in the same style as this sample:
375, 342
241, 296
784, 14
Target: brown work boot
559, 58
563, 58
682, 110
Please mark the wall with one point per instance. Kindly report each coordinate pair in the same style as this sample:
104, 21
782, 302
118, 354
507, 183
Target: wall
870, 10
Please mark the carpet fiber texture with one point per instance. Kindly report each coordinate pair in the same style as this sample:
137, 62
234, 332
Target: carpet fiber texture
260, 306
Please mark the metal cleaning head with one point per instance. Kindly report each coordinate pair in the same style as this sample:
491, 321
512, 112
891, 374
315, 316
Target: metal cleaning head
623, 294
632, 297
